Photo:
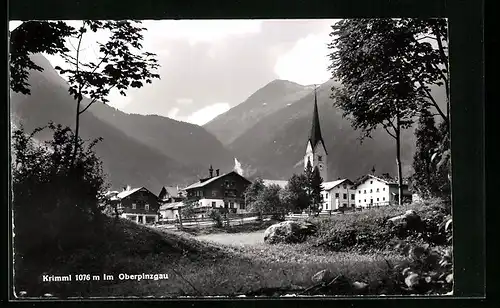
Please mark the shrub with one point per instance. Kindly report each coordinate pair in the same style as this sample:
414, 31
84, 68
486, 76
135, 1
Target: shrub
216, 216
56, 196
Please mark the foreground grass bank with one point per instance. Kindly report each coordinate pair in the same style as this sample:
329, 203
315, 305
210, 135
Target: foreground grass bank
194, 268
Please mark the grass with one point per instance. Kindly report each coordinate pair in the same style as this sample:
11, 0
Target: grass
195, 268
240, 228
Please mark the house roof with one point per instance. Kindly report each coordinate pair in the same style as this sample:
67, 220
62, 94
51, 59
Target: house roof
333, 184
213, 179
315, 134
127, 193
171, 206
280, 183
171, 191
382, 178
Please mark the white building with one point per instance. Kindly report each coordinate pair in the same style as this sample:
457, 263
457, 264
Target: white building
374, 190
338, 194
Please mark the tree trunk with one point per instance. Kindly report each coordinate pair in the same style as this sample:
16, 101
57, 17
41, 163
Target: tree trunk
180, 218
77, 130
398, 160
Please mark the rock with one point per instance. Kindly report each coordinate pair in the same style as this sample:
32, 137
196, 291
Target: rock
359, 286
409, 220
412, 280
323, 276
289, 232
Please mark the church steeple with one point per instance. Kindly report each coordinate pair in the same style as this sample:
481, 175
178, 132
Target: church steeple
315, 134
316, 154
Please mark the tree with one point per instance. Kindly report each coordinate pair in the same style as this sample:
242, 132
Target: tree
424, 179
370, 61
295, 196
33, 37
268, 201
315, 188
55, 204
119, 64
251, 194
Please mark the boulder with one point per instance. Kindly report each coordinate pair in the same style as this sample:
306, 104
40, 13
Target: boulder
323, 276
289, 232
409, 220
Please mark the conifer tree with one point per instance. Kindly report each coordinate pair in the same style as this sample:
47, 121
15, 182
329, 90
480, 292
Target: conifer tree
424, 179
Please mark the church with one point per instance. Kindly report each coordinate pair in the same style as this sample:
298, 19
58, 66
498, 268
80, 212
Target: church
336, 194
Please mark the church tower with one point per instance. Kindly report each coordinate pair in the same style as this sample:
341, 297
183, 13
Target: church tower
315, 149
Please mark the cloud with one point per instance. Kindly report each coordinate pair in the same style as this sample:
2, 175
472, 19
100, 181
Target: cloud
306, 63
207, 113
173, 113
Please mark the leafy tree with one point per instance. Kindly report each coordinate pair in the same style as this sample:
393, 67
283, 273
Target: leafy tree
424, 179
33, 37
268, 201
378, 89
295, 193
252, 192
56, 204
120, 64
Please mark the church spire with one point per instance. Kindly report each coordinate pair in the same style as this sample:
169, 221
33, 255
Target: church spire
315, 134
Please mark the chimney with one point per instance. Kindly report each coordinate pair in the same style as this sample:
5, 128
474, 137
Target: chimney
217, 172
128, 187
211, 171
373, 170
124, 188
338, 178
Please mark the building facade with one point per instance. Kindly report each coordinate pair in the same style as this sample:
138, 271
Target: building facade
223, 192
372, 190
340, 194
138, 204
316, 153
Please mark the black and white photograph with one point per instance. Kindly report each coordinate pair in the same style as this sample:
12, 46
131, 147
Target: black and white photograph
238, 158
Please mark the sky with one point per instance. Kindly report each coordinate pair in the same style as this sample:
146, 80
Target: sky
209, 66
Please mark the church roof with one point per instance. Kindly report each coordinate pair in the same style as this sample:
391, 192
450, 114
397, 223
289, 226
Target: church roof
315, 134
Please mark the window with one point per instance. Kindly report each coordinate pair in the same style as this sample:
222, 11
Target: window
371, 190
336, 195
146, 207
344, 205
365, 200
359, 191
242, 206
383, 199
344, 196
383, 189
226, 183
359, 201
231, 205
134, 206
371, 182
232, 183
326, 195
320, 158
352, 196
214, 193
378, 189
364, 191
345, 186
377, 199
213, 203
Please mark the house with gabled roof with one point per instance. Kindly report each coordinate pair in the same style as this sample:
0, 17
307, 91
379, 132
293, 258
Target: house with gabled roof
224, 192
380, 190
170, 194
339, 194
137, 204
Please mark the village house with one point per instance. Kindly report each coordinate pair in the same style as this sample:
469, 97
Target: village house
224, 192
171, 210
339, 194
170, 194
382, 190
138, 204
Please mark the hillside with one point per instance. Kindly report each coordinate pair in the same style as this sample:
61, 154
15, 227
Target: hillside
265, 101
149, 151
277, 142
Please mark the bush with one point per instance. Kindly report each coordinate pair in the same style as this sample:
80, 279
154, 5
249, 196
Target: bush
56, 196
371, 230
216, 216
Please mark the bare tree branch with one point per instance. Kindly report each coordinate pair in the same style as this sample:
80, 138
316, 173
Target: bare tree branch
391, 134
434, 103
